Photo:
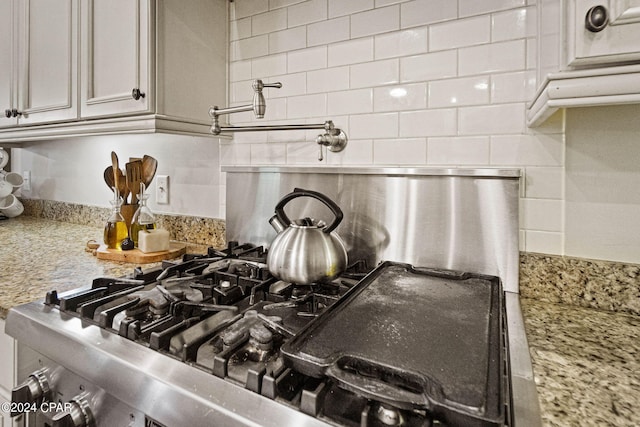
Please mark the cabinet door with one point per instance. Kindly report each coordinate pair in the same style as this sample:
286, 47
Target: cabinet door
617, 42
7, 61
116, 58
47, 79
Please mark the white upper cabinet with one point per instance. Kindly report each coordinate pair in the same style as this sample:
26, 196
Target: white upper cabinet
588, 55
8, 62
47, 52
88, 67
115, 57
607, 32
38, 61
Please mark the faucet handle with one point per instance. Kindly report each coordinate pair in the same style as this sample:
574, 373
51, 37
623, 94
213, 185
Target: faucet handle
258, 85
259, 103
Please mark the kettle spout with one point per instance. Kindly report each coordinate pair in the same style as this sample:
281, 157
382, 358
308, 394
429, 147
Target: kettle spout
277, 224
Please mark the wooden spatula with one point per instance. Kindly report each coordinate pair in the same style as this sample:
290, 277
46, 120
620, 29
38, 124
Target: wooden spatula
134, 178
149, 166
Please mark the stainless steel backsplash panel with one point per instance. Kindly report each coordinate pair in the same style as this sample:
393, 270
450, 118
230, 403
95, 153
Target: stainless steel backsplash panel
460, 219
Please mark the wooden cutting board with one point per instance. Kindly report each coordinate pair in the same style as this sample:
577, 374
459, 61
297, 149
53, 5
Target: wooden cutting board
138, 257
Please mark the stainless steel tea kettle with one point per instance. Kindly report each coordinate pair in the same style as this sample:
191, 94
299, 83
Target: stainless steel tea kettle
306, 250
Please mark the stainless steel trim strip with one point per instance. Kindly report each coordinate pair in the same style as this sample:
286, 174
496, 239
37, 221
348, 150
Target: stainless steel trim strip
388, 171
526, 408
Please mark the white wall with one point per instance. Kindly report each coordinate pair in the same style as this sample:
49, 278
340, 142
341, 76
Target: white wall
71, 170
466, 67
603, 183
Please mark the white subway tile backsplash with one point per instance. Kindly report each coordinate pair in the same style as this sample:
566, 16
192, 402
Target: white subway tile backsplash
330, 31
307, 12
269, 154
276, 109
307, 59
543, 242
328, 80
475, 7
251, 47
513, 87
244, 8
426, 123
402, 43
513, 24
239, 92
302, 153
351, 52
424, 12
359, 152
453, 151
269, 65
400, 98
412, 82
492, 58
454, 92
342, 7
235, 154
276, 4
240, 29
460, 33
542, 214
375, 21
383, 125
291, 39
544, 183
239, 70
532, 53
429, 66
350, 102
382, 3
269, 22
527, 150
285, 136
400, 151
307, 106
292, 85
375, 73
491, 119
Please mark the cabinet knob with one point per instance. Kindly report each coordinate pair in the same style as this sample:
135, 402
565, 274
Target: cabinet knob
16, 113
597, 18
7, 113
136, 94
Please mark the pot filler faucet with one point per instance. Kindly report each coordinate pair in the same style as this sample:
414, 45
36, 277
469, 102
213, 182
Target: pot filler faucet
333, 138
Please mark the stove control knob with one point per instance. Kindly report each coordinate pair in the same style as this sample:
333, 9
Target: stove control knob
78, 415
34, 390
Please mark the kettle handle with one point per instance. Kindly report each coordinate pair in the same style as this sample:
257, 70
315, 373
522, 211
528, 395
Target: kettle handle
299, 192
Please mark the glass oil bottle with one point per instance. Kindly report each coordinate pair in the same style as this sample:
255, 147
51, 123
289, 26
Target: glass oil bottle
115, 230
143, 218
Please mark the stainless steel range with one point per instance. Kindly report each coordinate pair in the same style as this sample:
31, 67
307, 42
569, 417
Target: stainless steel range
422, 328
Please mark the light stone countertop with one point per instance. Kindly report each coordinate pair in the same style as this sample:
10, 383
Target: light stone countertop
586, 361
586, 364
38, 255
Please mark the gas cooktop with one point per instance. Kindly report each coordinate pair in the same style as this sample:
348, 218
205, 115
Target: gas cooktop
223, 316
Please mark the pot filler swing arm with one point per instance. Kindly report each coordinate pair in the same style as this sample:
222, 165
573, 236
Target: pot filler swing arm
333, 138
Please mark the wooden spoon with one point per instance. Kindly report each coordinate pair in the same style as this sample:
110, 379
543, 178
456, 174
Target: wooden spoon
109, 177
116, 168
134, 178
149, 166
